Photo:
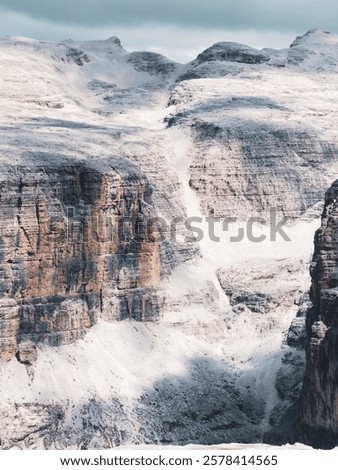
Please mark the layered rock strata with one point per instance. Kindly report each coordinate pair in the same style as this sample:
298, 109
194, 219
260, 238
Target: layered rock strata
75, 246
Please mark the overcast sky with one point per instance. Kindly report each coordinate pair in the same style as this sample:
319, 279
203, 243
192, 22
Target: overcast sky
178, 28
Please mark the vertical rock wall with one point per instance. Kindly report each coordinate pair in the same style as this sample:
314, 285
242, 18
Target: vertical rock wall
74, 246
319, 404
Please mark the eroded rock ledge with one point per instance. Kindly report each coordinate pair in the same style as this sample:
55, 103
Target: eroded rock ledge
319, 403
74, 247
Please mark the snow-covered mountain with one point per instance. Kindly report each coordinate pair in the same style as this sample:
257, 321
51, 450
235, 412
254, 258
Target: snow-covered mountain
114, 331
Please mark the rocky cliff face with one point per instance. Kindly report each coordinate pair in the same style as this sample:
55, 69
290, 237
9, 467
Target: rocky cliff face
319, 407
152, 63
250, 166
232, 52
244, 182
75, 247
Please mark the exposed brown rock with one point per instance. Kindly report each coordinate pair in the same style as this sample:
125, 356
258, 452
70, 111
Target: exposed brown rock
73, 249
9, 327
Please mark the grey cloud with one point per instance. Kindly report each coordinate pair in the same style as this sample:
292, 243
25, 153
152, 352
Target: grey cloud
176, 42
281, 15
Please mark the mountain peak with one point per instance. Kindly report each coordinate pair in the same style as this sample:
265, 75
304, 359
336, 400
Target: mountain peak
313, 35
316, 48
232, 52
114, 40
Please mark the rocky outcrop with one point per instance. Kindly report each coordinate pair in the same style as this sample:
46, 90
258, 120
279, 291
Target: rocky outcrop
319, 406
152, 63
77, 56
75, 246
296, 337
232, 52
297, 333
264, 287
221, 59
283, 419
